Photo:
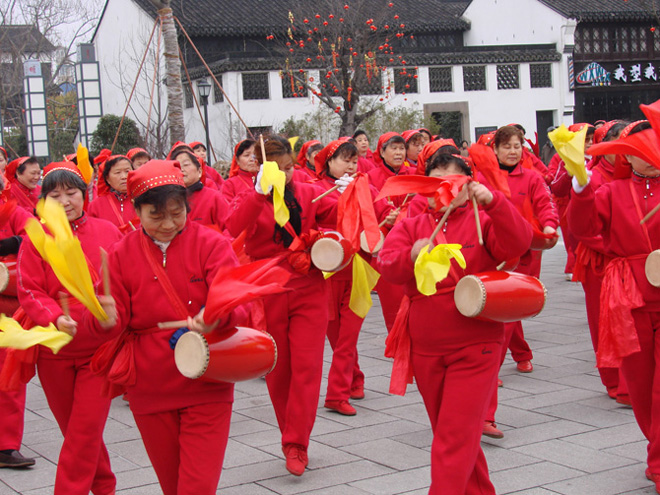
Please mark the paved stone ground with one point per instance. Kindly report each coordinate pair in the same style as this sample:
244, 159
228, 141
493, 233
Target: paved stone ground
562, 433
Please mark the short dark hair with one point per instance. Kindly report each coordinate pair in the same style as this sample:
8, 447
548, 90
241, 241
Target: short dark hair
641, 126
192, 156
30, 161
244, 145
199, 145
275, 146
111, 163
504, 135
614, 131
443, 161
159, 196
63, 179
359, 132
313, 148
346, 151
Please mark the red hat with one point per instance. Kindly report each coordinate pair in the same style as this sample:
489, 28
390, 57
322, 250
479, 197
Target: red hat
429, 150
233, 170
302, 154
578, 127
68, 166
381, 141
601, 132
194, 144
133, 152
178, 147
12, 166
322, 157
103, 156
154, 173
408, 135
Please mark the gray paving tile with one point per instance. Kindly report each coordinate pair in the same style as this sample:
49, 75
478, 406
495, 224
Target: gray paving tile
531, 476
612, 482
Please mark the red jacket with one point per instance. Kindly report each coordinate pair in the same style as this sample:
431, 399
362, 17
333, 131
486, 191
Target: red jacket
213, 175
380, 174
191, 262
15, 224
25, 198
611, 212
208, 207
304, 174
239, 183
117, 211
38, 288
506, 235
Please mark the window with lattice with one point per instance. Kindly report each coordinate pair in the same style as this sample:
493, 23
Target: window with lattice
188, 96
255, 86
440, 79
405, 80
474, 78
507, 76
291, 88
540, 75
218, 97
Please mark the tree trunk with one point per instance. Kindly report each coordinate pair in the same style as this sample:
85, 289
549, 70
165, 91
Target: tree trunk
349, 118
173, 72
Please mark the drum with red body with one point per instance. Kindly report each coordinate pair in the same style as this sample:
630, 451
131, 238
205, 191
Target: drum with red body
364, 245
8, 276
652, 268
331, 252
500, 296
234, 356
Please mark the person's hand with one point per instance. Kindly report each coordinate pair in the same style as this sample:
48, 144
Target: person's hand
343, 182
480, 193
110, 307
417, 247
257, 184
391, 217
67, 325
197, 324
576, 185
552, 242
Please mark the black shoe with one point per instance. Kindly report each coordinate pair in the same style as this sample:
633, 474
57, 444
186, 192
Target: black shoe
15, 460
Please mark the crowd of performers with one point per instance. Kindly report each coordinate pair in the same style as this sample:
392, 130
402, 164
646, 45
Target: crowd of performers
171, 225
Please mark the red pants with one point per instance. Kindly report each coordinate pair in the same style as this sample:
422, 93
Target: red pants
74, 397
187, 446
643, 377
458, 464
297, 320
390, 296
570, 243
12, 405
612, 378
343, 332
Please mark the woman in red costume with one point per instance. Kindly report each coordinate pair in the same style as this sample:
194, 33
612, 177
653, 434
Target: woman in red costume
210, 173
531, 196
244, 169
305, 170
454, 359
184, 423
112, 203
414, 146
296, 319
72, 390
23, 175
630, 305
138, 157
366, 156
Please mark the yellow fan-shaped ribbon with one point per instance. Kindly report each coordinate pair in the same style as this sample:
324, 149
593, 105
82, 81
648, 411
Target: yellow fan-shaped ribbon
12, 335
273, 176
365, 279
85, 167
433, 267
293, 141
63, 252
570, 147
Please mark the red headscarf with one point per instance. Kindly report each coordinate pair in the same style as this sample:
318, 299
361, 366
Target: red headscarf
103, 156
322, 157
68, 166
601, 132
233, 170
136, 151
194, 144
486, 139
12, 167
429, 150
302, 154
179, 146
577, 127
408, 135
381, 141
103, 186
153, 174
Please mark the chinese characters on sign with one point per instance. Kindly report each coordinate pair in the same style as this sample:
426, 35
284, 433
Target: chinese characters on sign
606, 74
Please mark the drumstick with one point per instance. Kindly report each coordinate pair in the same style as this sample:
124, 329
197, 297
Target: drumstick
501, 265
170, 325
650, 214
263, 148
64, 303
398, 209
478, 221
332, 189
442, 221
105, 272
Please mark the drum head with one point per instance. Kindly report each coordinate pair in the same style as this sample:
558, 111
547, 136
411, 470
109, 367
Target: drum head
365, 246
327, 255
4, 277
470, 296
652, 268
191, 355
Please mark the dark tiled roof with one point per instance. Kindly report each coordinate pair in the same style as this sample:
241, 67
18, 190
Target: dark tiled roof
26, 39
255, 17
602, 10
464, 56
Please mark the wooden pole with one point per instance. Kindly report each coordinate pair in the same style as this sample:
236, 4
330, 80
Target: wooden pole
650, 214
478, 221
105, 272
331, 190
442, 221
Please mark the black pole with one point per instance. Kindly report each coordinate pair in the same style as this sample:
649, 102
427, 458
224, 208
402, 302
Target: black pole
205, 102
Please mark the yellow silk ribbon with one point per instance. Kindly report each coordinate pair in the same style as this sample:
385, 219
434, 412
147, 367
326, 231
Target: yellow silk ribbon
570, 147
63, 252
365, 279
84, 166
273, 176
433, 267
293, 141
15, 337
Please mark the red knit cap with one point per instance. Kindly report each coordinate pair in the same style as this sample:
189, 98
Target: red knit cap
154, 173
322, 157
68, 166
136, 151
12, 166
